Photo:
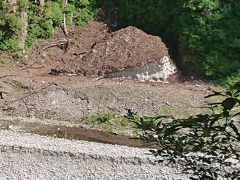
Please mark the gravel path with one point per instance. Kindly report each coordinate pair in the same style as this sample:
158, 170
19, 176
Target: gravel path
26, 156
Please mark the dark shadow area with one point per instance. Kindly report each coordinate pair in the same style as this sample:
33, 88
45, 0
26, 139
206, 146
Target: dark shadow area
109, 13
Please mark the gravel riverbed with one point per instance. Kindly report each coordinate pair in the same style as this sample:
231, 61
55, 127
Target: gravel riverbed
27, 156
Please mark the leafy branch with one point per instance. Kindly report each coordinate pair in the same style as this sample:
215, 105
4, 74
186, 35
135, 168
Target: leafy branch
206, 145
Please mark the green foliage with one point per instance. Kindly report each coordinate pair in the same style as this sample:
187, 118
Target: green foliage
99, 118
124, 122
216, 25
23, 5
231, 83
42, 21
209, 29
11, 44
111, 122
56, 14
206, 145
84, 16
86, 11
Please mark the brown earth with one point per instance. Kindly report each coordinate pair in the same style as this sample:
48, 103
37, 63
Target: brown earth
109, 52
126, 48
29, 90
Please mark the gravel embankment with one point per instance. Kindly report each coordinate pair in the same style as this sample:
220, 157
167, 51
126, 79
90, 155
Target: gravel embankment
26, 156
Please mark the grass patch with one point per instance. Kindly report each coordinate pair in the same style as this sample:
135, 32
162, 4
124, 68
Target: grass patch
130, 124
112, 123
133, 124
99, 118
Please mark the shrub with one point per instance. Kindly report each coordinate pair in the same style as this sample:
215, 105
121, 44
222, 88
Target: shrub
206, 145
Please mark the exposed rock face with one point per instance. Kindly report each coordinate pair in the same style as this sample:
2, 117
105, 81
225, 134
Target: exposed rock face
128, 52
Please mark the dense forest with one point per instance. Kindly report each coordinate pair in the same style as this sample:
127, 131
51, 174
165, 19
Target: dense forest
203, 36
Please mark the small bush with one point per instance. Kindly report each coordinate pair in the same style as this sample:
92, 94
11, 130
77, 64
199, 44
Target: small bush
231, 83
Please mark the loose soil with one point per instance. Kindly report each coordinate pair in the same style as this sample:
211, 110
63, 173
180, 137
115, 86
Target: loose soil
37, 86
127, 48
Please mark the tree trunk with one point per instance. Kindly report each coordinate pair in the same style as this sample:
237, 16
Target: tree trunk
24, 32
12, 2
12, 5
41, 2
65, 20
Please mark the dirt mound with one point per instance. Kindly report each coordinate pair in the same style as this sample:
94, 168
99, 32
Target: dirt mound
126, 48
120, 50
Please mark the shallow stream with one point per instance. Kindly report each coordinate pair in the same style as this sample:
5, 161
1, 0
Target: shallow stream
77, 133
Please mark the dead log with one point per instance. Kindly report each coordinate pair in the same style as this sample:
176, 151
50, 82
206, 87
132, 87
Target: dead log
62, 44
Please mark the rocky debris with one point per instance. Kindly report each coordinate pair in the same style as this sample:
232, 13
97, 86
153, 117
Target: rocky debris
128, 52
157, 71
78, 98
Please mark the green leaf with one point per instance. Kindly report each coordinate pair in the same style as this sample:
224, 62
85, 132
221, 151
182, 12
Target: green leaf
229, 103
215, 119
206, 132
171, 130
